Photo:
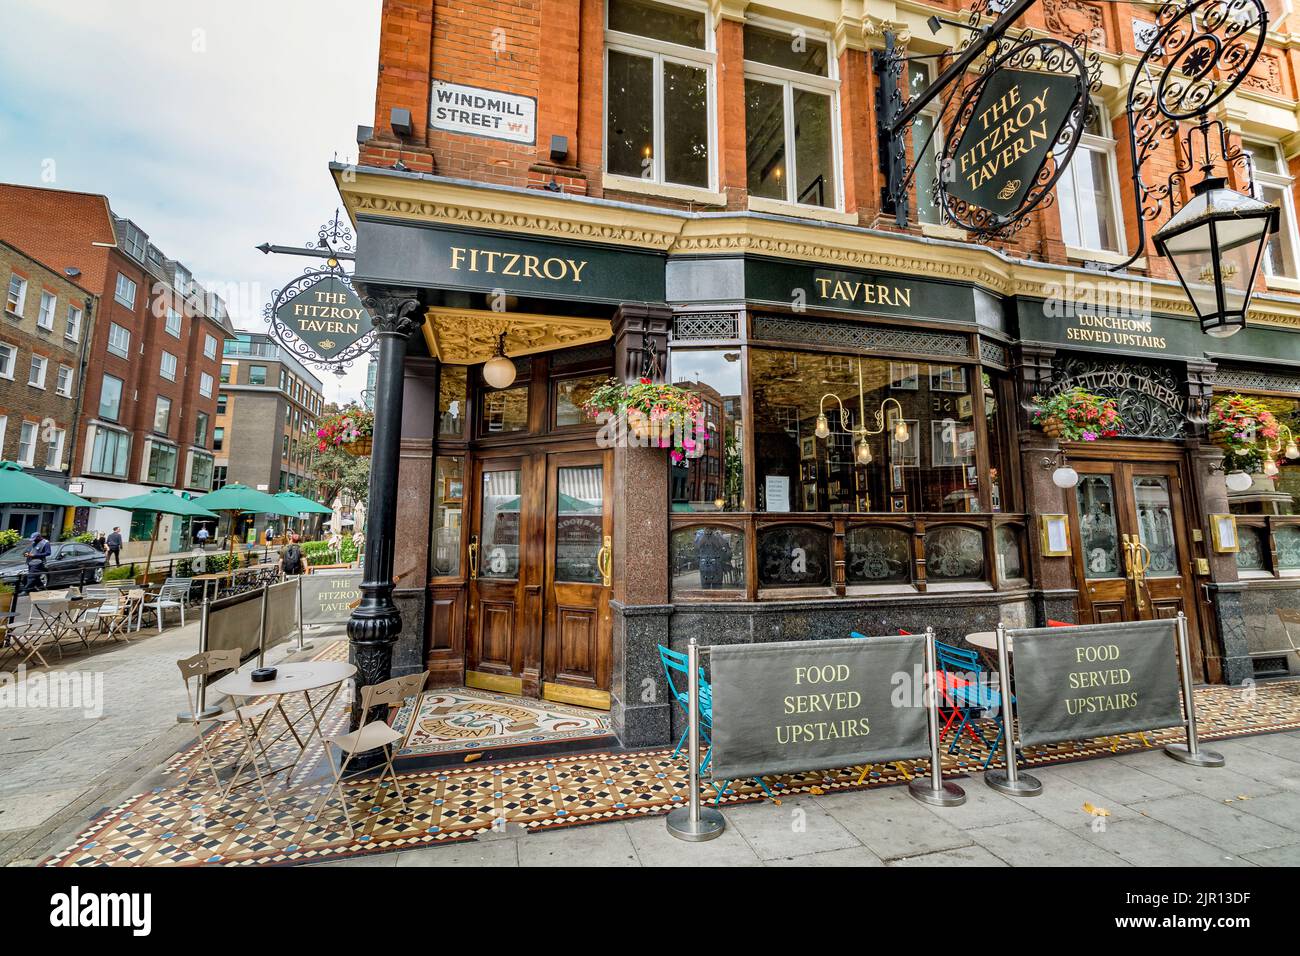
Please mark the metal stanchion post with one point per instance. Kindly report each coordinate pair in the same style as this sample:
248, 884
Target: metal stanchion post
935, 791
302, 646
261, 633
1009, 781
204, 710
694, 823
1191, 751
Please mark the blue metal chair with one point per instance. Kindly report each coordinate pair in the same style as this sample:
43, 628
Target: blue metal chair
674, 662
857, 636
972, 697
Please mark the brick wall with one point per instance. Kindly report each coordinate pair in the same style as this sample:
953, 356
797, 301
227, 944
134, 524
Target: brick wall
554, 50
19, 401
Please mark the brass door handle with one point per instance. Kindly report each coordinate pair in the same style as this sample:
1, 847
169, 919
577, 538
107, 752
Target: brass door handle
473, 556
605, 561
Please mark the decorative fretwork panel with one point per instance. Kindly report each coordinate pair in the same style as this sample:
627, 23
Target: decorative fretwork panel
994, 353
1253, 380
705, 326
858, 337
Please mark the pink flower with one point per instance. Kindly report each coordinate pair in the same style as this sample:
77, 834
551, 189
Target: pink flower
1089, 436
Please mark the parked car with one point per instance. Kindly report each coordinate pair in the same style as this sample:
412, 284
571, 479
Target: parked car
70, 562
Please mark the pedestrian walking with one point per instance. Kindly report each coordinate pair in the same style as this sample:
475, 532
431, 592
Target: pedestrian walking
97, 542
36, 556
291, 556
202, 538
114, 545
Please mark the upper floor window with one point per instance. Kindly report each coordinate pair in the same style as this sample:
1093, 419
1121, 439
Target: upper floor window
125, 291
162, 414
927, 145
791, 110
110, 398
658, 79
73, 329
45, 318
7, 356
173, 323
209, 347
1272, 184
64, 383
17, 294
1087, 193
205, 385
257, 375
119, 340
227, 374
167, 368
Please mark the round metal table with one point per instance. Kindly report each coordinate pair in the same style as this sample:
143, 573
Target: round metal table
987, 641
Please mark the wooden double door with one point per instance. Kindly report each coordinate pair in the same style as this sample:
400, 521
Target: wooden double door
539, 576
1133, 550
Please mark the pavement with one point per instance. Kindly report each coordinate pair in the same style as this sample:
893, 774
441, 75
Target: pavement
1157, 813
60, 766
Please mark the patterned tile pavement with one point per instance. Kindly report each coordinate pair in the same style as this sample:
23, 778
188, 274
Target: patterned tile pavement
179, 825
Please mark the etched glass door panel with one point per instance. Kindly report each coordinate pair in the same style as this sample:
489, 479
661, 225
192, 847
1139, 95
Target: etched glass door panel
1156, 524
1095, 495
794, 556
878, 555
499, 547
579, 523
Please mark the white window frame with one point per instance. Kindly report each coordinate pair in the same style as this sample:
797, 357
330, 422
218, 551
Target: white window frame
7, 364
117, 348
205, 384
121, 443
1094, 143
28, 434
121, 396
157, 405
54, 450
934, 114
49, 305
37, 370
16, 302
659, 50
172, 323
73, 330
1287, 219
164, 370
789, 80
209, 346
4, 428
119, 291
63, 381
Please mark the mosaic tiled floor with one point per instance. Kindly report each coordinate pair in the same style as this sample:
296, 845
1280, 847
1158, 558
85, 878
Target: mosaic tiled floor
179, 825
462, 720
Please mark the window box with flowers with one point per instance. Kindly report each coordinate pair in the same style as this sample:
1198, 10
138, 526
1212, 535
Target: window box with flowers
1251, 438
1077, 415
350, 431
662, 416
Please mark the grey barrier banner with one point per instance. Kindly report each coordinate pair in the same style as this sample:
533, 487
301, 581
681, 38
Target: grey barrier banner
1073, 683
811, 705
281, 614
236, 621
327, 596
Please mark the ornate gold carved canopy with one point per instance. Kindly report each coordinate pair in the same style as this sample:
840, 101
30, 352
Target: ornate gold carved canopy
469, 336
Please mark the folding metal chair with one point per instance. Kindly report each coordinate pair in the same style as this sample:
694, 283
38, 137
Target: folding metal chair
112, 618
374, 735
674, 662
250, 719
171, 597
969, 697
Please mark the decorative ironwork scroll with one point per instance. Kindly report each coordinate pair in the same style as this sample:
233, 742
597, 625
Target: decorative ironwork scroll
318, 316
1203, 50
1152, 402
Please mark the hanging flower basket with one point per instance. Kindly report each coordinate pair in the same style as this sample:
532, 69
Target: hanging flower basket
1246, 431
662, 416
1077, 415
350, 431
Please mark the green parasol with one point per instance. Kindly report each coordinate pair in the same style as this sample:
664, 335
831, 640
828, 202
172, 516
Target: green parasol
241, 499
159, 501
17, 487
302, 504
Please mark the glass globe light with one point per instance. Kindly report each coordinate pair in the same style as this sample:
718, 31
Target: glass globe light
1292, 451
864, 453
1270, 468
1065, 477
901, 434
1238, 481
823, 428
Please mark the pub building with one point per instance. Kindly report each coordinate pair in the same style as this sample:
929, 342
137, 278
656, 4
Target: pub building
555, 192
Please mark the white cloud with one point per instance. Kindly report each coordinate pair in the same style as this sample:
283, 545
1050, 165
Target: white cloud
209, 124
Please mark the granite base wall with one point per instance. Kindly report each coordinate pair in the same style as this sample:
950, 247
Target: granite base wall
1251, 629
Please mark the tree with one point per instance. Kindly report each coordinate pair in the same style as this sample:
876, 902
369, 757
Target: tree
335, 471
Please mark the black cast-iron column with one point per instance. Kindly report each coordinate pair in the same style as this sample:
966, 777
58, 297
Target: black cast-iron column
376, 622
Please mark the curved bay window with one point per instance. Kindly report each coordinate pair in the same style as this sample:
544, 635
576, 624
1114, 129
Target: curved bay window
831, 475
1268, 512
929, 464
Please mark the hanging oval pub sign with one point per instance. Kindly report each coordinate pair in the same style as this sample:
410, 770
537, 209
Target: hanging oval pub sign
1016, 130
321, 319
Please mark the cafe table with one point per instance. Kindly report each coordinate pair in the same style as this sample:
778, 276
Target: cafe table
987, 640
324, 678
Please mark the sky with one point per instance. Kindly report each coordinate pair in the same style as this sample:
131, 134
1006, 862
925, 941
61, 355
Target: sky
209, 124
